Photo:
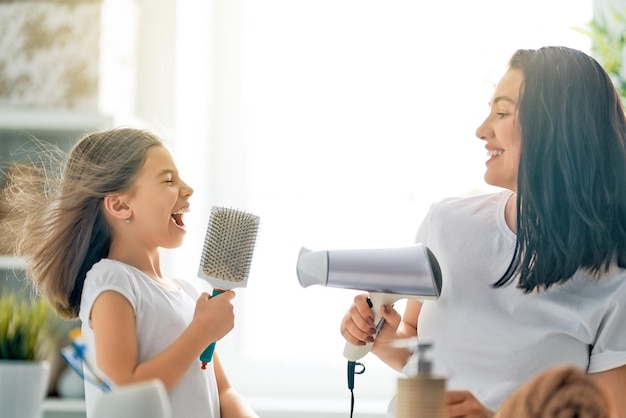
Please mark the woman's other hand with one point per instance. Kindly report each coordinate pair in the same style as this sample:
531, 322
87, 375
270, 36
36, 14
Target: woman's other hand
462, 404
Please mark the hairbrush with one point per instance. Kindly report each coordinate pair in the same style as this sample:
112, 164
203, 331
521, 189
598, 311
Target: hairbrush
227, 254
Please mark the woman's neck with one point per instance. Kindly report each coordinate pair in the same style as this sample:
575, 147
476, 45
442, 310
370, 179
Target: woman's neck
510, 213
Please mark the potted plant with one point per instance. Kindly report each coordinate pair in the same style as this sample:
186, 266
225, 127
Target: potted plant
607, 32
26, 339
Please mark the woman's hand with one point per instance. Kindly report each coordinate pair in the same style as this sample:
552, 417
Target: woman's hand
358, 327
462, 404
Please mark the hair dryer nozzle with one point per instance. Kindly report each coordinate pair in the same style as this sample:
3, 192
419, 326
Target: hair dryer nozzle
411, 270
312, 267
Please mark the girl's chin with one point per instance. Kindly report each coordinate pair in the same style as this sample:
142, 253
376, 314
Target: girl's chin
173, 244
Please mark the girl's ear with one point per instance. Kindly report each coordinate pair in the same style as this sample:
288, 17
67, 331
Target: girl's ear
117, 207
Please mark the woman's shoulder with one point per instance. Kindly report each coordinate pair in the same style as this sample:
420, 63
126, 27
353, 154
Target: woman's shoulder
473, 202
610, 283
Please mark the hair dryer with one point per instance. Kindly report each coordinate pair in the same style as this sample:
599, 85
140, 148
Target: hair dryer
389, 274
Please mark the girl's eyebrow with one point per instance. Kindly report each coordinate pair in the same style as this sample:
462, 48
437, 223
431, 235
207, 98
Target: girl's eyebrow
167, 171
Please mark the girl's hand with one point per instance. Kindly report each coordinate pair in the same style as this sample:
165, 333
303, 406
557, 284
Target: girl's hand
215, 315
358, 327
462, 404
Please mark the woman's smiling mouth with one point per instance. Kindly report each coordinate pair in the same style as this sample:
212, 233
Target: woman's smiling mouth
494, 152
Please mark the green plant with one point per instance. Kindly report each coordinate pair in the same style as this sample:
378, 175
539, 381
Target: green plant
26, 328
607, 32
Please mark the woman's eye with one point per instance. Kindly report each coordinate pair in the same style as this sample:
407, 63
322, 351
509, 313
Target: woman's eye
501, 115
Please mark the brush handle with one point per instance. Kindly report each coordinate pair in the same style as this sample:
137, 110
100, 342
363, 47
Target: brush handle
356, 352
207, 354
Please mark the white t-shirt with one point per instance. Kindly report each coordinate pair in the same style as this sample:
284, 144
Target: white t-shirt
161, 316
490, 341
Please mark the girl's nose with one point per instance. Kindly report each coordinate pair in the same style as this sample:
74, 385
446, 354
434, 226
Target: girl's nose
187, 190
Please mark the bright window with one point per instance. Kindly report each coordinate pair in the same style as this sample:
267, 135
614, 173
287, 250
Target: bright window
338, 122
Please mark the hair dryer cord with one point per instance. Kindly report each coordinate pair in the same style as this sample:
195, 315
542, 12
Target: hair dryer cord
353, 370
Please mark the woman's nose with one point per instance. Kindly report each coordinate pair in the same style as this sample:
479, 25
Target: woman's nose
483, 131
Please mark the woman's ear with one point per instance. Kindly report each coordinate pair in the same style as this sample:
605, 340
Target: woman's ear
116, 206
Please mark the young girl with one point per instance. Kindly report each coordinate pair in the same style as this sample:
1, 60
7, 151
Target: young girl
534, 275
92, 247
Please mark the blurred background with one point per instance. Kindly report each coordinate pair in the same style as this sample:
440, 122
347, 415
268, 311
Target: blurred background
338, 122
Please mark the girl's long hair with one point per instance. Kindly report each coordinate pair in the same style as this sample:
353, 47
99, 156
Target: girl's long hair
62, 228
571, 191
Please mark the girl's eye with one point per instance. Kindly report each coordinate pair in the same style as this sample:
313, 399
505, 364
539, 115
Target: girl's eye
169, 181
501, 115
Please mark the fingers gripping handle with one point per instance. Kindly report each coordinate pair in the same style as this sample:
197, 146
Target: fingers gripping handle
207, 354
356, 352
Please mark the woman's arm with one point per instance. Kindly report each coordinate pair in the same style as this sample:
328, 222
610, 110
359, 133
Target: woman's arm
232, 404
113, 322
396, 328
614, 382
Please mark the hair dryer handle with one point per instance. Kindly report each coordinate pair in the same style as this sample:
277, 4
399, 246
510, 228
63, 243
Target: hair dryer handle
355, 352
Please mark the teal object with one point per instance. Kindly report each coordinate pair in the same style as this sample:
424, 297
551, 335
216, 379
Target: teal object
207, 354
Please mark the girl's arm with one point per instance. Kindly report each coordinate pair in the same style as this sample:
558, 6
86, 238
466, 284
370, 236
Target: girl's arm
113, 322
232, 404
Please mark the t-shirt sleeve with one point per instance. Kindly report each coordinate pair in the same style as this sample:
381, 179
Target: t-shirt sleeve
609, 350
105, 276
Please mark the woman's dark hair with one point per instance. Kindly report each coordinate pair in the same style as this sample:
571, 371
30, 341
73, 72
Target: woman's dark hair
571, 191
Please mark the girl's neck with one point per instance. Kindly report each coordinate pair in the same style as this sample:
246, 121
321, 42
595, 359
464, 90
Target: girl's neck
149, 267
148, 263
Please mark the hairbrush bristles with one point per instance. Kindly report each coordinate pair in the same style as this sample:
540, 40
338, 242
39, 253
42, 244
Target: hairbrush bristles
229, 245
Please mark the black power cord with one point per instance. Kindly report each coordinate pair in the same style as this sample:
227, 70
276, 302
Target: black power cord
354, 368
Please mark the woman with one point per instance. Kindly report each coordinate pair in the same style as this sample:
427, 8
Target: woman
534, 275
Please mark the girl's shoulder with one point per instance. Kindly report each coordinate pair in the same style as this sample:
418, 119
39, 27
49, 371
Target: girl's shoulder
109, 268
188, 288
114, 275
106, 275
